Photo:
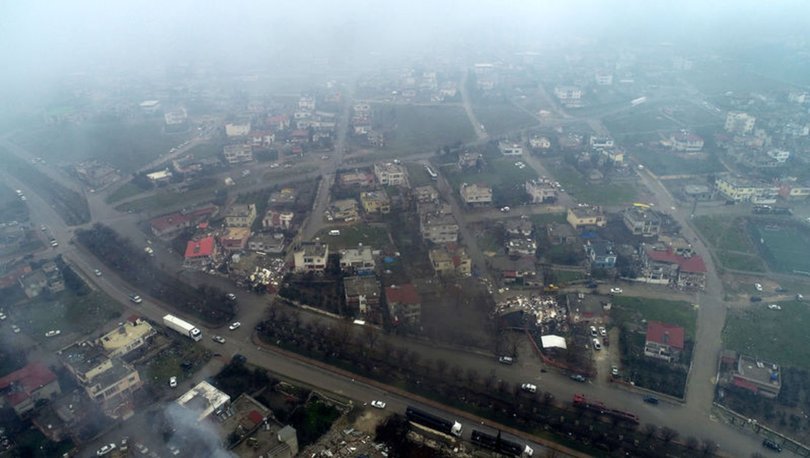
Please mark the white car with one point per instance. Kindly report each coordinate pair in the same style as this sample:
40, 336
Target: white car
602, 331
135, 298
528, 387
54, 243
15, 329
758, 286
218, 339
615, 291
505, 209
234, 326
378, 404
97, 273
774, 306
53, 333
2, 316
173, 381
105, 449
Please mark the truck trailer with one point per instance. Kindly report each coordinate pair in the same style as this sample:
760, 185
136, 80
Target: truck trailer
499, 444
430, 421
183, 327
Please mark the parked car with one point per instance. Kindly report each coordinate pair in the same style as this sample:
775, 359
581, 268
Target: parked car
758, 286
651, 400
614, 371
231, 296
596, 344
218, 339
578, 378
135, 298
774, 306
771, 444
615, 291
2, 316
602, 331
756, 299
97, 273
15, 329
378, 404
505, 360
53, 333
529, 388
173, 382
54, 243
105, 449
234, 326
593, 331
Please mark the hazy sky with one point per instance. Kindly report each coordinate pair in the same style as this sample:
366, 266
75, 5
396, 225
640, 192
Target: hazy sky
55, 37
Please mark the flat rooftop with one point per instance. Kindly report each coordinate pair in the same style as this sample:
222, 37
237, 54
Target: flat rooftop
759, 371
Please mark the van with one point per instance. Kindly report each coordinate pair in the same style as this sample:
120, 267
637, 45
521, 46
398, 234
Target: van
596, 345
334, 232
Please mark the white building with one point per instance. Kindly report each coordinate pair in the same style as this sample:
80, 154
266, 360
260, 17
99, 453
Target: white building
739, 123
237, 129
237, 154
474, 194
311, 257
510, 148
779, 155
203, 400
391, 174
540, 191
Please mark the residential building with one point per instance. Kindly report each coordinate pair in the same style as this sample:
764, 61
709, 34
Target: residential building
375, 202
780, 156
539, 143
404, 303
249, 430
132, 334
241, 215
519, 271
238, 154
518, 227
358, 261
311, 257
200, 254
376, 138
109, 382
425, 193
760, 377
664, 341
601, 254
687, 271
793, 191
262, 139
600, 142
357, 177
160, 177
745, 190
642, 221
685, 141
739, 123
267, 243
561, 234
541, 191
438, 227
521, 247
168, 225
510, 148
469, 160
603, 79
586, 216
33, 284
278, 220
234, 239
391, 174
278, 122
450, 259
306, 103
363, 296
570, 96
150, 106
475, 194
204, 402
22, 388
344, 210
237, 129
282, 198
56, 282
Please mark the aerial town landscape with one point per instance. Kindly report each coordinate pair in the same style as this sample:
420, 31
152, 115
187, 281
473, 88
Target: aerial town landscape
543, 245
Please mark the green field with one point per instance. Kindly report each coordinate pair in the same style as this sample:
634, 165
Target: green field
778, 336
419, 129
663, 162
641, 120
501, 173
169, 200
730, 242
627, 309
547, 218
499, 119
65, 311
125, 145
417, 175
786, 247
350, 236
123, 192
592, 193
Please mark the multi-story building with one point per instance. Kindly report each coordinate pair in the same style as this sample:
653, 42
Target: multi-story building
586, 216
278, 220
311, 257
425, 193
745, 190
357, 177
359, 261
739, 123
201, 254
438, 228
780, 156
539, 142
760, 377
642, 221
204, 401
521, 247
664, 341
237, 129
375, 202
267, 243
540, 191
241, 215
469, 160
600, 253
600, 142
684, 271
344, 209
569, 96
510, 148
685, 141
237, 154
363, 296
235, 239
391, 174
450, 259
475, 194
168, 225
24, 387
404, 303
128, 336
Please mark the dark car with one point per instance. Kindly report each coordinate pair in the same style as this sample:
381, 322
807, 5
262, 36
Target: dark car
241, 359
651, 400
756, 299
771, 444
578, 378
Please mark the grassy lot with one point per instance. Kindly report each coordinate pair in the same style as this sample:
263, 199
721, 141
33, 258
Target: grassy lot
634, 309
566, 276
501, 118
666, 163
544, 219
373, 236
642, 120
275, 174
501, 173
778, 336
168, 200
424, 128
786, 246
66, 311
169, 362
593, 193
730, 242
11, 207
206, 150
417, 174
125, 145
123, 192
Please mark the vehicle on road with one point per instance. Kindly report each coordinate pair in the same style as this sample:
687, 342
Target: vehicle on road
54, 243
105, 449
378, 404
53, 333
218, 339
756, 299
771, 444
499, 444
581, 401
614, 371
602, 331
183, 327
234, 326
578, 378
2, 316
758, 286
174, 450
774, 306
596, 344
97, 273
529, 388
149, 251
433, 422
505, 209
505, 360
135, 298
15, 329
231, 296
650, 399
173, 381
593, 331
616, 291
43, 228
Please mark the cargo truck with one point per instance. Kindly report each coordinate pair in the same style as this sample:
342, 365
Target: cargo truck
500, 445
183, 327
430, 421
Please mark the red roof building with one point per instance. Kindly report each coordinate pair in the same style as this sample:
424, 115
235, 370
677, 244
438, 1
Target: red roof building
22, 388
166, 225
664, 341
404, 303
689, 271
200, 253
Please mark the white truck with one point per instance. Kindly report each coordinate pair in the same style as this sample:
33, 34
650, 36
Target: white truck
183, 327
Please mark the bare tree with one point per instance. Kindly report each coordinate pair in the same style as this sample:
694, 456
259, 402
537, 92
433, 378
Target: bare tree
709, 447
692, 443
371, 336
472, 376
441, 366
456, 371
650, 430
489, 380
668, 434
